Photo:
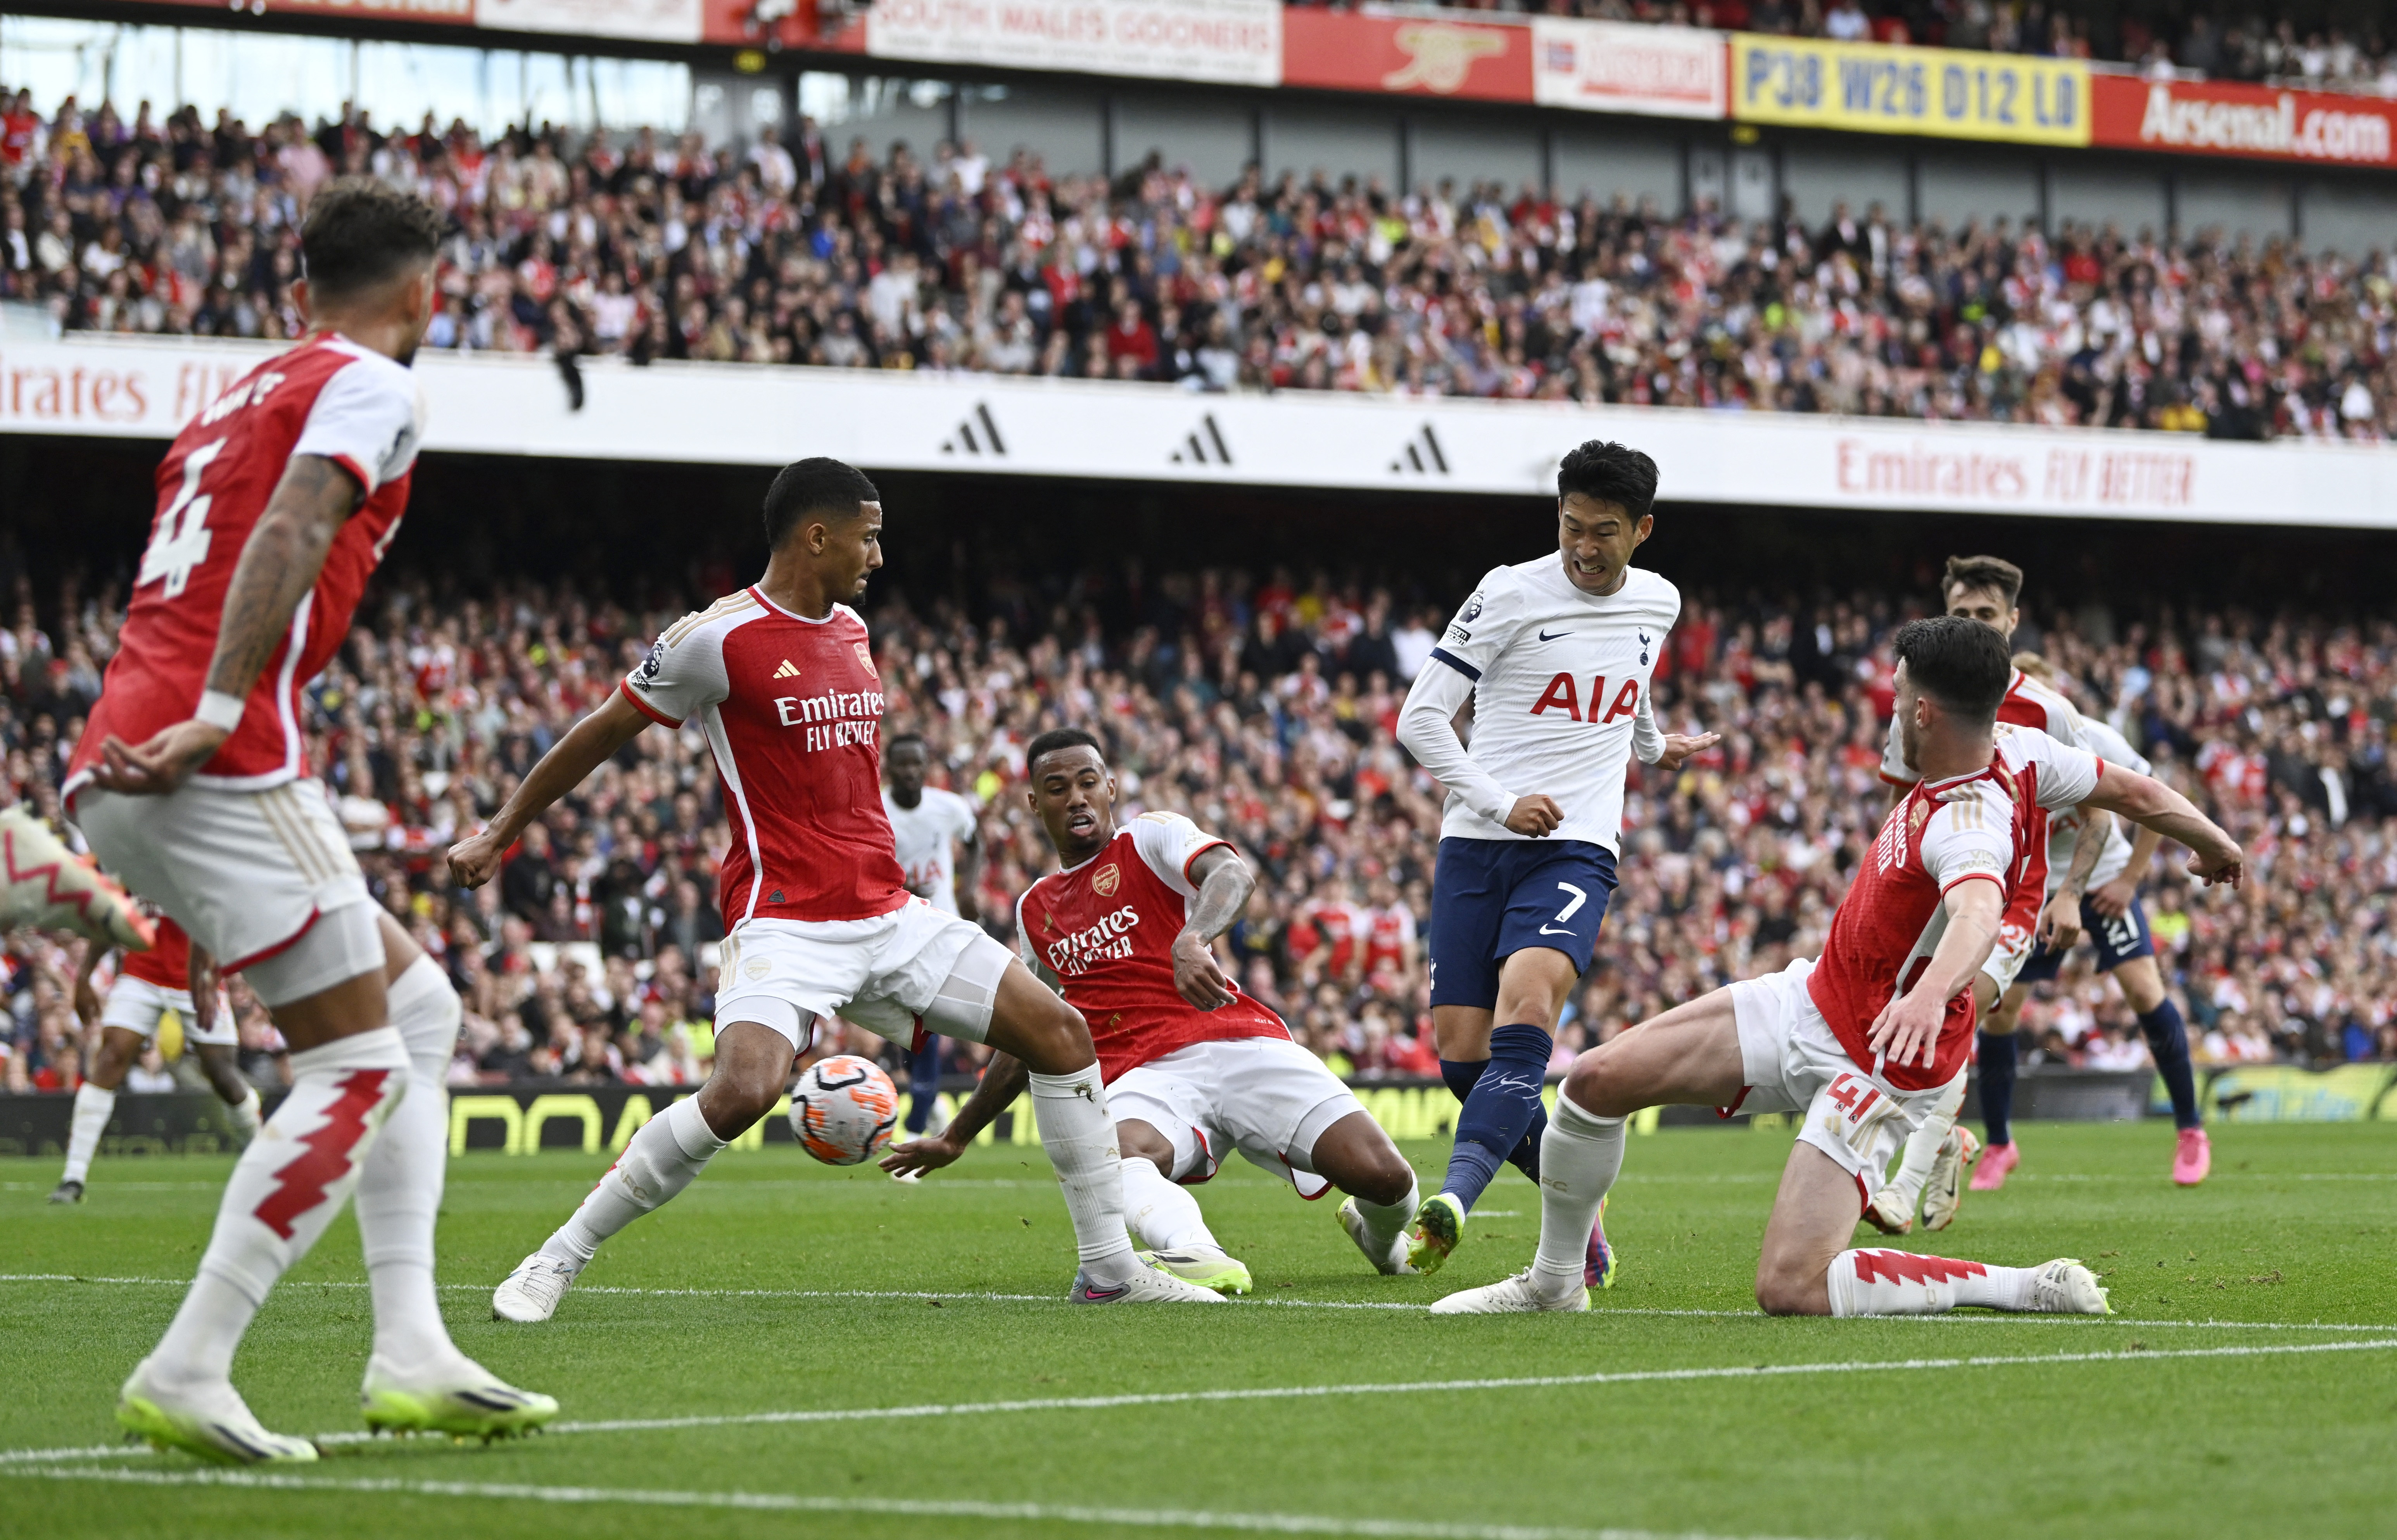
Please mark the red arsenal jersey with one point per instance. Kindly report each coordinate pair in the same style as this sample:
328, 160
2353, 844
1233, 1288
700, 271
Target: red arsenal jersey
1886, 928
167, 964
327, 397
1105, 928
792, 712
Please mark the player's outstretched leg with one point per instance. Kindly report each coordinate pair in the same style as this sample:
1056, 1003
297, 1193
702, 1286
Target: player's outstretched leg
416, 1379
1070, 1107
923, 1084
1164, 1216
1891, 1209
45, 885
222, 1068
752, 1064
95, 1102
285, 1189
1356, 1156
1497, 1113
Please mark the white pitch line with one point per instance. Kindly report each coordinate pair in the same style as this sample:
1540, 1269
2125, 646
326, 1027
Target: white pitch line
1320, 1392
1269, 1523
961, 1296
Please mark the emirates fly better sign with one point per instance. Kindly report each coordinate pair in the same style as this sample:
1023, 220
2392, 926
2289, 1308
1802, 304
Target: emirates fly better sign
1227, 42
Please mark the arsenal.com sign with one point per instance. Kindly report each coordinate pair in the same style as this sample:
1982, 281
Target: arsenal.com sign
1225, 42
2226, 118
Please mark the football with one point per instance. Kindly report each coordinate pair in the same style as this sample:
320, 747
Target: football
843, 1111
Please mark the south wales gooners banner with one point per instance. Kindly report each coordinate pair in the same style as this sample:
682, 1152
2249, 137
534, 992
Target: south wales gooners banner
1227, 42
1871, 87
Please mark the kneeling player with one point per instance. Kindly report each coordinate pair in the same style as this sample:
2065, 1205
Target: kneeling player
1869, 1038
1194, 1068
170, 977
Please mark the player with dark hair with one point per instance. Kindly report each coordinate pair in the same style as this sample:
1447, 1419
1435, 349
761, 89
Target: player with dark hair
1194, 1068
1555, 657
2090, 885
275, 504
933, 833
1864, 1041
780, 679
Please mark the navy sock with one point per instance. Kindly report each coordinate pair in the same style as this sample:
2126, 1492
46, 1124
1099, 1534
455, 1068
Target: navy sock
2168, 1040
1997, 1086
923, 1084
1498, 1110
1462, 1075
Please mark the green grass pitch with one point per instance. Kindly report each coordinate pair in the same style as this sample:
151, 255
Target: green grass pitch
2248, 1387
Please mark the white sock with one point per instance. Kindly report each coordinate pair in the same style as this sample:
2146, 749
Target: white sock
92, 1109
1900, 1283
665, 1155
1580, 1156
285, 1189
1081, 1139
1161, 1213
1922, 1147
244, 1114
399, 1191
1383, 1221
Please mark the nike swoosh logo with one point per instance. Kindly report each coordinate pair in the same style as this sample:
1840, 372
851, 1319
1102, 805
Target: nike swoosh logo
1102, 1294
1546, 638
1555, 931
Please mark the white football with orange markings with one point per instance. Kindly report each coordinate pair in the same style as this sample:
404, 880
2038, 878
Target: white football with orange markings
844, 1109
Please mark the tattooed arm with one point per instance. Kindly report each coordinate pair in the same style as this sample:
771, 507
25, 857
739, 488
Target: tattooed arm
1225, 883
279, 564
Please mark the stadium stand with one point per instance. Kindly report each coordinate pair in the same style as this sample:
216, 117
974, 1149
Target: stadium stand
810, 254
1263, 706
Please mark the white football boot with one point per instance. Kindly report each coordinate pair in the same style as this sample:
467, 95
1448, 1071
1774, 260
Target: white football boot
1889, 1213
2066, 1288
1146, 1286
531, 1292
1943, 1195
1511, 1296
45, 885
210, 1421
1389, 1259
461, 1398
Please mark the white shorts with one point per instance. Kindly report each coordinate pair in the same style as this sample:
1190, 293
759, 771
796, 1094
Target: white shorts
136, 1004
884, 973
2015, 943
247, 873
1267, 1097
1791, 1061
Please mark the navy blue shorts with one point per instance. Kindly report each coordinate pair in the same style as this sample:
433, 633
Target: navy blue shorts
1493, 898
2118, 940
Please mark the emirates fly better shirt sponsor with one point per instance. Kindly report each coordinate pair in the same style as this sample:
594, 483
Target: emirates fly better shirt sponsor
327, 397
1893, 915
1105, 928
792, 712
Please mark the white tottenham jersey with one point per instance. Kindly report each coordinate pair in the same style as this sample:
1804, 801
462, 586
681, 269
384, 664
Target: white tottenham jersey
2101, 740
923, 834
1559, 681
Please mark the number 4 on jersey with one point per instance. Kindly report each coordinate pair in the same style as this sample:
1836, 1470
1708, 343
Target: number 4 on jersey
180, 542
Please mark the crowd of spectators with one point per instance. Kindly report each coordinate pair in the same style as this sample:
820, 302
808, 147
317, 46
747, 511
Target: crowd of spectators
1263, 705
662, 247
2321, 47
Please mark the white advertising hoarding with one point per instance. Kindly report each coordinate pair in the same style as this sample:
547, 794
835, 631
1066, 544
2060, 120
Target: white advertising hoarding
1615, 67
745, 414
649, 20
1227, 42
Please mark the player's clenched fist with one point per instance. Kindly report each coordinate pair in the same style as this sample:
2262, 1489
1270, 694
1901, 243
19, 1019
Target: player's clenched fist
1535, 816
476, 859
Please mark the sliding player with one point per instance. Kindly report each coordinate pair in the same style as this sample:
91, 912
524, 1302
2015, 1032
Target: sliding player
1986, 589
173, 975
275, 504
1194, 1068
1866, 1039
1555, 657
780, 679
929, 827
